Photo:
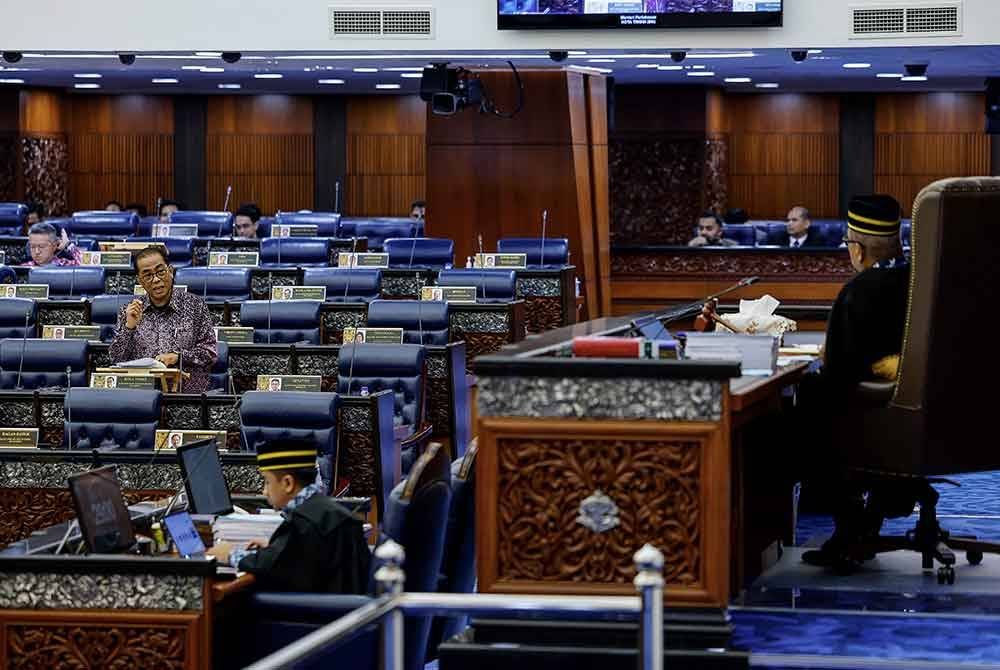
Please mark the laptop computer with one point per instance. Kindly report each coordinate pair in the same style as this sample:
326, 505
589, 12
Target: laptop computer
185, 535
105, 523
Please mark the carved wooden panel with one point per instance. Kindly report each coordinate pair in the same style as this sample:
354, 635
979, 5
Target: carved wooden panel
542, 313
716, 173
655, 484
479, 344
39, 646
46, 172
8, 166
681, 264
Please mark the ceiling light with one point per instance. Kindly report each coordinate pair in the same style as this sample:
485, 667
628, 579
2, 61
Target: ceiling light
813, 52
738, 80
738, 54
577, 53
208, 54
86, 85
647, 66
889, 75
73, 56
165, 80
191, 67
916, 78
11, 81
230, 86
403, 69
331, 81
856, 66
387, 87
268, 75
412, 75
366, 69
87, 75
588, 68
766, 85
600, 60
701, 73
212, 69
669, 67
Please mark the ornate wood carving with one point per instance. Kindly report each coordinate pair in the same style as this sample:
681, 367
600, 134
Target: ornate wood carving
438, 410
357, 463
699, 264
656, 485
46, 172
716, 173
117, 647
542, 313
479, 344
8, 166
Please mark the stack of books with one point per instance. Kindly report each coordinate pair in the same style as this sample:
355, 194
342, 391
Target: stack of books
240, 529
757, 354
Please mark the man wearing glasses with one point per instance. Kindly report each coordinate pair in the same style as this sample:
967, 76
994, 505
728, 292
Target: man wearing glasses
174, 327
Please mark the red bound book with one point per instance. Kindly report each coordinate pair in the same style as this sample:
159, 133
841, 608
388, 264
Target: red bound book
607, 347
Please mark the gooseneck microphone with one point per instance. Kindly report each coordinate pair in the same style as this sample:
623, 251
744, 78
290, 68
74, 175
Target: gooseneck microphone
270, 298
229, 192
350, 274
545, 220
24, 345
72, 280
482, 266
69, 408
336, 197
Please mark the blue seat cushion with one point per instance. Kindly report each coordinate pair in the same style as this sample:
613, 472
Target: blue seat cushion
216, 284
69, 281
282, 322
556, 250
283, 252
44, 363
345, 285
124, 419
422, 322
210, 224
491, 285
17, 317
385, 367
104, 311
420, 252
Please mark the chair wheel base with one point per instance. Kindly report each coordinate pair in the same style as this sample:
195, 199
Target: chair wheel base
946, 575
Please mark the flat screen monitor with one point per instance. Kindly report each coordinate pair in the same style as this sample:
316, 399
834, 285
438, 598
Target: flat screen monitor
100, 509
550, 14
185, 535
207, 491
650, 328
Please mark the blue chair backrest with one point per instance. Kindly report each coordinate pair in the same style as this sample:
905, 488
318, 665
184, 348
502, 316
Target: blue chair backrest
264, 227
102, 225
44, 363
556, 250
282, 321
276, 415
415, 317
14, 313
7, 275
125, 419
104, 311
295, 251
219, 377
210, 224
69, 282
742, 234
12, 218
419, 252
345, 285
327, 223
770, 233
216, 284
491, 285
87, 243
145, 227
906, 231
378, 232
829, 231
180, 249
385, 367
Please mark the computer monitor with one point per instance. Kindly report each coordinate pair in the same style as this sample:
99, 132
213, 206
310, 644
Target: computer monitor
201, 468
185, 536
651, 328
100, 509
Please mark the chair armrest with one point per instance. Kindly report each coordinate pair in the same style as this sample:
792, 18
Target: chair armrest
421, 437
321, 608
223, 590
873, 394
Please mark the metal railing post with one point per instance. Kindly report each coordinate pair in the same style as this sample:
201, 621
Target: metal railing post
649, 582
389, 579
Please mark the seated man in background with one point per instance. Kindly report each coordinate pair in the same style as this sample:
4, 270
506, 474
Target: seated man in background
796, 233
710, 233
50, 247
245, 222
418, 210
174, 327
319, 546
36, 214
113, 206
168, 207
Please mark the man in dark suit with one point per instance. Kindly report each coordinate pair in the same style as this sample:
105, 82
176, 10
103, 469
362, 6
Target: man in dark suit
796, 234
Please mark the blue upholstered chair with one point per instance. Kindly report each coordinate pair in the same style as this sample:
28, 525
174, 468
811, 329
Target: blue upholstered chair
219, 377
906, 231
770, 233
69, 282
216, 284
119, 419
7, 275
210, 224
18, 317
145, 227
104, 311
327, 223
419, 252
416, 517
264, 227
742, 234
282, 321
87, 243
271, 415
491, 285
345, 285
12, 218
556, 250
101, 225
422, 322
42, 363
179, 249
830, 231
290, 252
378, 232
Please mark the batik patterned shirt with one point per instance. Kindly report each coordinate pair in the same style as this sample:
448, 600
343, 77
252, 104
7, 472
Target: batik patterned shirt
307, 492
183, 326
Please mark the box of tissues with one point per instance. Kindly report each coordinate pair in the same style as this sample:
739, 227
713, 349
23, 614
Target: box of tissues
757, 317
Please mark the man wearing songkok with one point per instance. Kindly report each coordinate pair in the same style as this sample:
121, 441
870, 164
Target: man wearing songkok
319, 546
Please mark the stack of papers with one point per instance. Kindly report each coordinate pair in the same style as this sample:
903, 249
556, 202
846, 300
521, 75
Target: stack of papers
757, 354
240, 529
141, 363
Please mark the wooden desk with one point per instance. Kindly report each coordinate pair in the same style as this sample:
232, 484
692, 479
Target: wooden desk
169, 378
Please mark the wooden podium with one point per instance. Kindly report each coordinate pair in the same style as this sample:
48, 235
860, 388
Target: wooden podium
169, 378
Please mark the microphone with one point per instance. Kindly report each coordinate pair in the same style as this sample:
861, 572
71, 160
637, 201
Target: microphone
229, 191
482, 267
270, 297
24, 345
72, 281
180, 363
545, 220
159, 205
420, 308
222, 222
350, 275
69, 408
336, 197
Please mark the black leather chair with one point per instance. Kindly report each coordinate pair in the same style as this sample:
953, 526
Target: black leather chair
101, 225
423, 322
12, 218
932, 421
282, 321
556, 250
111, 419
18, 317
216, 284
345, 285
104, 311
69, 282
492, 286
419, 252
42, 363
290, 252
210, 224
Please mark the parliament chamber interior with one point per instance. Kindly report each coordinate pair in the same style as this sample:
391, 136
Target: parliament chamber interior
519, 334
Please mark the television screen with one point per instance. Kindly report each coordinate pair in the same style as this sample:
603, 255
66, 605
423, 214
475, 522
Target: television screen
638, 13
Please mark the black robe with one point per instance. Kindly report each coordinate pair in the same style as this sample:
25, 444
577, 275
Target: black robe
321, 549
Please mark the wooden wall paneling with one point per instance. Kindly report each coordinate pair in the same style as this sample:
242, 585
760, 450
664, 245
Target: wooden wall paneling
10, 113
44, 151
330, 147
597, 117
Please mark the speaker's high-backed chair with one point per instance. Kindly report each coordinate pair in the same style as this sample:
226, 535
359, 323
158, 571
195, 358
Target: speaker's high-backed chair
491, 285
210, 224
42, 363
933, 420
12, 218
556, 250
345, 284
120, 419
327, 223
419, 252
290, 252
69, 282
17, 317
216, 284
282, 321
101, 225
422, 321
104, 311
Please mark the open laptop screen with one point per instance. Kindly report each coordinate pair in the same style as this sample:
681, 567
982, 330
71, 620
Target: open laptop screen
207, 491
184, 534
104, 520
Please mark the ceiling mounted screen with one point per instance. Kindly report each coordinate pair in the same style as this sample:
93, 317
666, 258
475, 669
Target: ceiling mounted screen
550, 14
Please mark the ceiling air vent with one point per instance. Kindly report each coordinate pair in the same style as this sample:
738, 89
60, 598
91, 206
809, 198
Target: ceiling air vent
404, 21
936, 19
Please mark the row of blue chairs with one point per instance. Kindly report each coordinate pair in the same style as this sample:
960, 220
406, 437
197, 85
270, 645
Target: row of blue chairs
774, 233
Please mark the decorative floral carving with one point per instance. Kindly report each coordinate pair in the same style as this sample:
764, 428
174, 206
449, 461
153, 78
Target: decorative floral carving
40, 647
118, 282
15, 252
703, 264
8, 166
357, 463
541, 314
717, 173
62, 316
334, 323
542, 483
479, 344
45, 161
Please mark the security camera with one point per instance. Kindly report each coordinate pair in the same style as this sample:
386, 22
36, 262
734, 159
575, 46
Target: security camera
126, 59
12, 56
678, 56
558, 56
916, 69
799, 55
231, 56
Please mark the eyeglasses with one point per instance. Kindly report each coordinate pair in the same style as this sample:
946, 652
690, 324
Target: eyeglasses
847, 241
160, 273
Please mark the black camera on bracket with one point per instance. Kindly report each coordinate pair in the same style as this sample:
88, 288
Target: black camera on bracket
558, 56
799, 55
126, 59
678, 56
449, 89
